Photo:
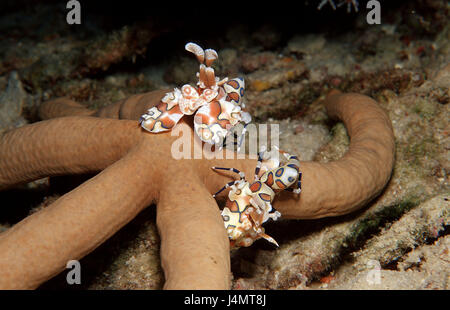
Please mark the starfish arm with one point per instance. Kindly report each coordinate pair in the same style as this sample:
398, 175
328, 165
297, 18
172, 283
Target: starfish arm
194, 244
342, 186
130, 108
39, 247
67, 145
63, 106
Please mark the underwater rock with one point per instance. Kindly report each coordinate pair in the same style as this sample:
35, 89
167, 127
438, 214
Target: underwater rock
308, 44
181, 71
12, 101
90, 57
276, 90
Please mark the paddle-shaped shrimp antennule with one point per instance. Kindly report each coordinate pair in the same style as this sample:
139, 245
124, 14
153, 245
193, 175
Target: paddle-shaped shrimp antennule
210, 56
196, 50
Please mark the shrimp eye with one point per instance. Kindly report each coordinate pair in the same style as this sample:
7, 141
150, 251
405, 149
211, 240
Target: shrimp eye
206, 134
235, 115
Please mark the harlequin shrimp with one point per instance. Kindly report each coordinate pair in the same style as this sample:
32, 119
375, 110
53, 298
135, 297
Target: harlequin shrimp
249, 205
217, 103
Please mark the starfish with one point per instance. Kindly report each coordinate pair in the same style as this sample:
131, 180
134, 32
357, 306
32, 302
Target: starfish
137, 170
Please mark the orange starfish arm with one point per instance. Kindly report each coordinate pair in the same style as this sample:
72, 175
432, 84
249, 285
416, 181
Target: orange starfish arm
342, 186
